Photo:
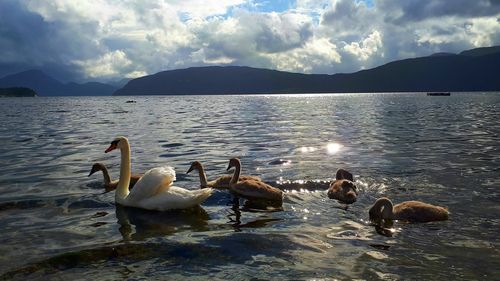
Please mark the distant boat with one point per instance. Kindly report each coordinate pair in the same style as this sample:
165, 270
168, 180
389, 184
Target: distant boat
439, 94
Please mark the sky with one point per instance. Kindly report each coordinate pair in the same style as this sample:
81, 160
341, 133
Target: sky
107, 40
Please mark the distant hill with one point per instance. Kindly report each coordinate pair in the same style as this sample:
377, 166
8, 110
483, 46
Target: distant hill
481, 51
442, 54
472, 70
219, 80
17, 92
45, 85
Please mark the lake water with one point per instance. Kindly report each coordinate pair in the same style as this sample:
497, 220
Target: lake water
58, 223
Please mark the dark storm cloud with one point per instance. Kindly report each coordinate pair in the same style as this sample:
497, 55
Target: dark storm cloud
19, 29
346, 13
417, 10
278, 33
22, 39
350, 20
27, 41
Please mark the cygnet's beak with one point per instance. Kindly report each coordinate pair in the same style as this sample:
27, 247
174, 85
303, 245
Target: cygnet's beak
91, 172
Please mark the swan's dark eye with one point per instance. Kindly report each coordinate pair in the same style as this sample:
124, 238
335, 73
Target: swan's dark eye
115, 142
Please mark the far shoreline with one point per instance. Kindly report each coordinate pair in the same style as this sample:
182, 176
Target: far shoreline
273, 94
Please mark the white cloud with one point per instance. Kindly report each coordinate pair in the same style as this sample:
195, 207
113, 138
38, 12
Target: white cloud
482, 31
202, 56
477, 31
314, 6
203, 9
107, 65
135, 74
316, 53
366, 48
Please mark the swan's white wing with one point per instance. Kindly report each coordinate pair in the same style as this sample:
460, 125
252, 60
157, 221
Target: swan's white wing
176, 198
154, 181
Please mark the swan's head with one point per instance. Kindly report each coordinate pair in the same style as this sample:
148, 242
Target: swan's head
382, 209
233, 162
349, 191
352, 191
343, 190
119, 142
195, 165
96, 168
343, 175
375, 213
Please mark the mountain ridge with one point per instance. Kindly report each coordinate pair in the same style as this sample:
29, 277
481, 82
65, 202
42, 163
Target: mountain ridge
46, 85
471, 70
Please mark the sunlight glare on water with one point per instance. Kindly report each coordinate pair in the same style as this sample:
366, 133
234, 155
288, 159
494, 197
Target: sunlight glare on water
306, 149
333, 147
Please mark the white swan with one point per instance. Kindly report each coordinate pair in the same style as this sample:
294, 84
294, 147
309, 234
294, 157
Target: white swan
154, 190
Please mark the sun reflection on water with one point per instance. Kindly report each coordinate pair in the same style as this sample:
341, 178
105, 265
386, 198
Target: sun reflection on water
307, 149
333, 147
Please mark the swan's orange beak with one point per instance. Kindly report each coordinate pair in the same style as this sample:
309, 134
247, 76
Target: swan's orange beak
111, 147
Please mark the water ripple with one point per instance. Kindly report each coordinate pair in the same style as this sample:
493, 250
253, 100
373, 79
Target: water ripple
58, 223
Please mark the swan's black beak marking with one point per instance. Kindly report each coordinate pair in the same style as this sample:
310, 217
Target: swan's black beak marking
190, 169
113, 146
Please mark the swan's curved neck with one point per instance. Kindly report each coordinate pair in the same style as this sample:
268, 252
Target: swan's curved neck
384, 207
236, 174
122, 189
203, 176
105, 175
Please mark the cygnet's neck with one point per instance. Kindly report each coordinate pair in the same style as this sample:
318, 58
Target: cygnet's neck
236, 175
203, 176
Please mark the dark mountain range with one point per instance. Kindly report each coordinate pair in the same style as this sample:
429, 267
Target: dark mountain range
220, 80
481, 51
472, 70
45, 85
